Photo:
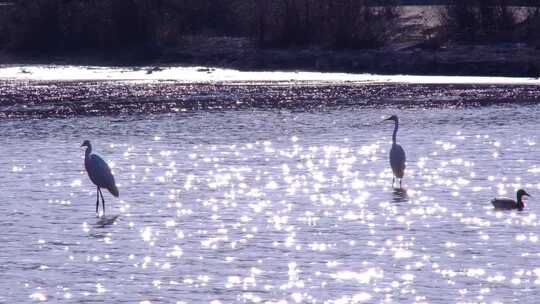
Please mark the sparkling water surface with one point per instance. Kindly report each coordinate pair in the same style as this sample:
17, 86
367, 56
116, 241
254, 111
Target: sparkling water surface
273, 205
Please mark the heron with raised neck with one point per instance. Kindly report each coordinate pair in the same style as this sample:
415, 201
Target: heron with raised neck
397, 154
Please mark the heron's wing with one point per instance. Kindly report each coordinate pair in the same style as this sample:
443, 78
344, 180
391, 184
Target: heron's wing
397, 160
100, 172
402, 156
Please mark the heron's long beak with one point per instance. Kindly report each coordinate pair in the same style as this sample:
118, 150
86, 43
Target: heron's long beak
527, 194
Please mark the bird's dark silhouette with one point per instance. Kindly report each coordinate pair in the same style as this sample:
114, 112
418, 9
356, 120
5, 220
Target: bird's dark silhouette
509, 204
397, 154
99, 173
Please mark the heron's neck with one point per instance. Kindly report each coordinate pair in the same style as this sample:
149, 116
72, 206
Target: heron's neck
396, 127
88, 152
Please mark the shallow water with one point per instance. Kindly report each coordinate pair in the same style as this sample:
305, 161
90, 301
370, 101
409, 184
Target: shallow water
267, 203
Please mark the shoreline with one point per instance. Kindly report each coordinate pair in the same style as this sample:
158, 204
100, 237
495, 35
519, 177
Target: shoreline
416, 46
205, 75
503, 60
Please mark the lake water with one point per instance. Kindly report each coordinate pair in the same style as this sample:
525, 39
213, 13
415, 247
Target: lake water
268, 193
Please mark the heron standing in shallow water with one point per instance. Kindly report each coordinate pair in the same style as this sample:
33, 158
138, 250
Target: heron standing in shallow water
509, 204
397, 154
99, 173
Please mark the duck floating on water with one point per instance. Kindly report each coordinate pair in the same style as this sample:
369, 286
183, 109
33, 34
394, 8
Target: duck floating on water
509, 204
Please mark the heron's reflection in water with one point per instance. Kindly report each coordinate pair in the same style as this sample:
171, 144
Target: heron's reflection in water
399, 195
106, 221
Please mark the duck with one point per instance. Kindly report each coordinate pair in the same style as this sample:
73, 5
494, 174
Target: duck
504, 203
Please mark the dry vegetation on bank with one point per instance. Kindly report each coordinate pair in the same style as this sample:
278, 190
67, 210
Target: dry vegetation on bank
228, 32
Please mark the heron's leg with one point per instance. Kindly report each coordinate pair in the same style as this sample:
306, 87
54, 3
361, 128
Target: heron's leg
400, 182
97, 201
102, 201
393, 181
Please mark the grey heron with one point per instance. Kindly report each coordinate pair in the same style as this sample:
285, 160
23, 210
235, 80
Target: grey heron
99, 173
508, 204
397, 154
